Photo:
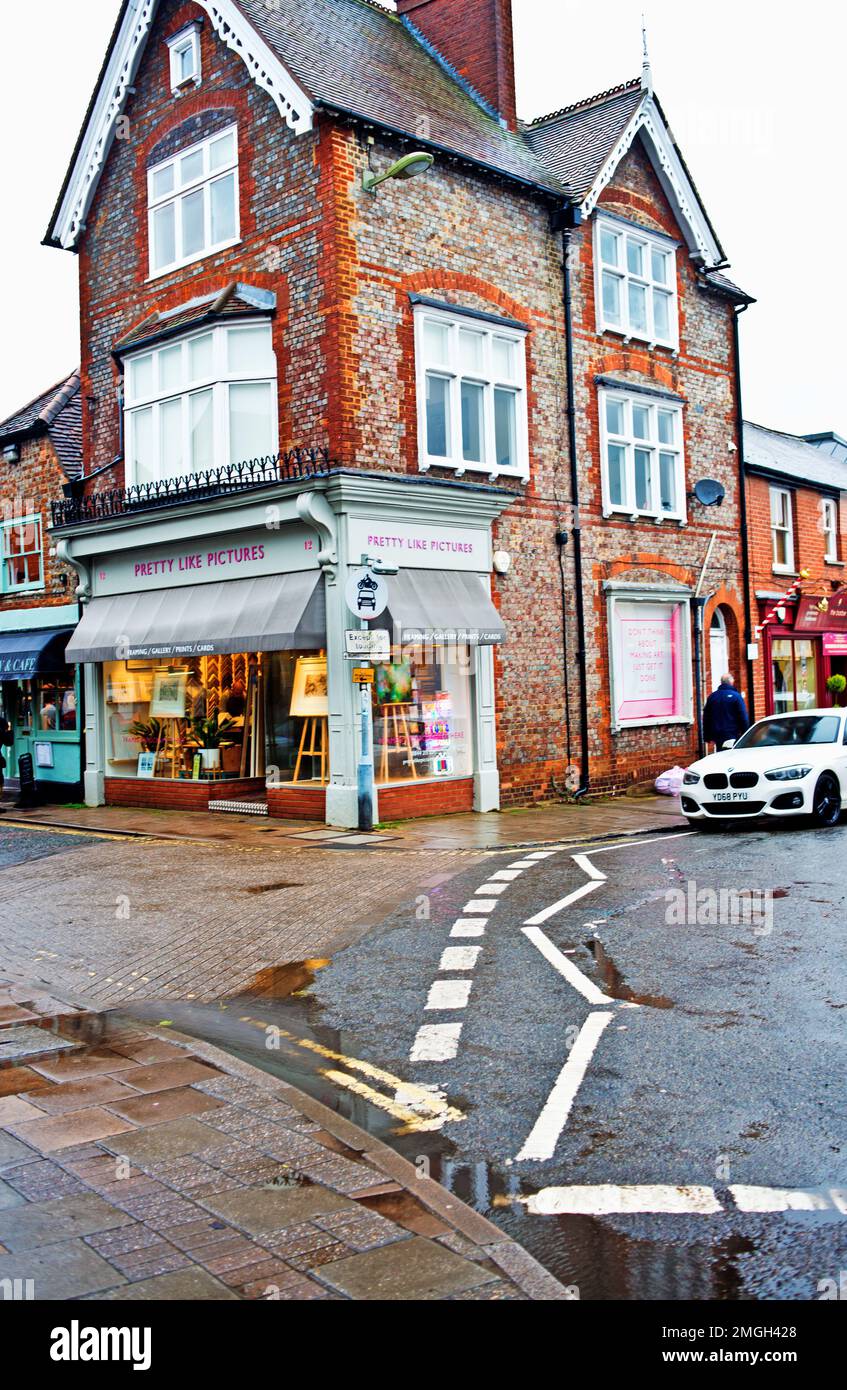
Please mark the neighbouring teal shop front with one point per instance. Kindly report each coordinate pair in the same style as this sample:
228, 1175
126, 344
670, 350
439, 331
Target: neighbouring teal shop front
40, 696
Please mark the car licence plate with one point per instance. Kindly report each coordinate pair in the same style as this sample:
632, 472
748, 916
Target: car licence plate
731, 796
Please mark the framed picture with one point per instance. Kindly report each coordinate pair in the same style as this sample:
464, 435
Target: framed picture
146, 765
124, 744
394, 684
168, 697
309, 698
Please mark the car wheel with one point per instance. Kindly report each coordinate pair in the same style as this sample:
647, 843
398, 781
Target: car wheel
826, 806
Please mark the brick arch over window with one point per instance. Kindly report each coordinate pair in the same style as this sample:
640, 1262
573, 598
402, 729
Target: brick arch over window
439, 284
732, 612
645, 560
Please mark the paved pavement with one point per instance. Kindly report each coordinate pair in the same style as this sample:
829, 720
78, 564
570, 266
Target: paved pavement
133, 1167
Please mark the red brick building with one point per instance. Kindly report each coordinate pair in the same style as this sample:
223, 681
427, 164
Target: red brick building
40, 453
797, 511
394, 361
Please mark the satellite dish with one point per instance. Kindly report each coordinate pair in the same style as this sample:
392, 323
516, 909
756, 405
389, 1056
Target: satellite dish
709, 492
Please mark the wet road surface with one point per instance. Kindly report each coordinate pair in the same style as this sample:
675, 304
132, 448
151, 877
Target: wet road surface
666, 1029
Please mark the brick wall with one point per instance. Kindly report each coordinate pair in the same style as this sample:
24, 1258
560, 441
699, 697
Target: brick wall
181, 795
27, 489
702, 373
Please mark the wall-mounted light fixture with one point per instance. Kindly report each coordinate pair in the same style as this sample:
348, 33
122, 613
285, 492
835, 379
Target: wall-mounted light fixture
12, 453
502, 561
418, 162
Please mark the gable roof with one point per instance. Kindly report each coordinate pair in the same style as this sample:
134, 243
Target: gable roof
351, 57
57, 413
584, 144
773, 451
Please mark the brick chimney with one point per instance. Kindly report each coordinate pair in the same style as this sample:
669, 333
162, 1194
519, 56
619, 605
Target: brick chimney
475, 36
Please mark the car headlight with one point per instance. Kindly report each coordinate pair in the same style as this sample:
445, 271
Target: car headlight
787, 774
691, 779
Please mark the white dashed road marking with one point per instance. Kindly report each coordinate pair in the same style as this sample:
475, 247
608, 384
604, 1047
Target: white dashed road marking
449, 994
469, 926
480, 905
459, 957
607, 1198
436, 1042
544, 1135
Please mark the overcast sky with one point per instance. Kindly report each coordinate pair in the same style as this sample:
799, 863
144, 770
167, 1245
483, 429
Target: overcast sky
753, 89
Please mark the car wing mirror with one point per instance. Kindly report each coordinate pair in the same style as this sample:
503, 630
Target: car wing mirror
730, 743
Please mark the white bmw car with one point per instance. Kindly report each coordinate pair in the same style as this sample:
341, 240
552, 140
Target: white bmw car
788, 765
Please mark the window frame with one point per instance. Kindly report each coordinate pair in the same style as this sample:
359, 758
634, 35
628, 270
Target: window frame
680, 605
653, 403
177, 195
187, 38
219, 379
7, 525
452, 371
650, 241
829, 508
787, 529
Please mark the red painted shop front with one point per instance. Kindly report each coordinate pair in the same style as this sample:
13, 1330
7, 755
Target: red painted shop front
801, 652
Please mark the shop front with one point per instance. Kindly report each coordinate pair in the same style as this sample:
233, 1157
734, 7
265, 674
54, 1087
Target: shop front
213, 645
40, 698
802, 650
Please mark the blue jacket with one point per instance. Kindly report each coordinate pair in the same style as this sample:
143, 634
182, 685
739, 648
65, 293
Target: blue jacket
725, 716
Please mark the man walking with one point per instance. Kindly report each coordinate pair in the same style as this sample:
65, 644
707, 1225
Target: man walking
725, 716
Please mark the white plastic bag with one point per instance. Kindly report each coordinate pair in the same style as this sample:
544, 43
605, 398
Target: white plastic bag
670, 782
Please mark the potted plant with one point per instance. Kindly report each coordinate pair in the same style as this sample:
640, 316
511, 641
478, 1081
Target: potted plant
207, 735
836, 685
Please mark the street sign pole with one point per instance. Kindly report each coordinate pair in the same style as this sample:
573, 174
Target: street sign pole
366, 590
365, 779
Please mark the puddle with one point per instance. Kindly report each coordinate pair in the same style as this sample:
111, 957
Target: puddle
614, 984
282, 981
271, 887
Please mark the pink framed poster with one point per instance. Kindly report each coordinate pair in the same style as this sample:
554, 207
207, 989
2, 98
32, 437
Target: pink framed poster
647, 645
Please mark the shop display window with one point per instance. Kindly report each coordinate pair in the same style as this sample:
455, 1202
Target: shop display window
197, 718
794, 673
297, 733
423, 714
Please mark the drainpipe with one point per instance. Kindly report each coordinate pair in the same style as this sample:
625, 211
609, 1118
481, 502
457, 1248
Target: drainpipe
700, 601
742, 488
572, 217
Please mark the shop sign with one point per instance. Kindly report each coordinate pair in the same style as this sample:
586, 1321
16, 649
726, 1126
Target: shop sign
363, 675
233, 555
366, 594
646, 649
18, 667
834, 619
412, 546
835, 644
367, 644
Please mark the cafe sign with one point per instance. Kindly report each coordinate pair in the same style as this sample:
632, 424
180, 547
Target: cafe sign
834, 619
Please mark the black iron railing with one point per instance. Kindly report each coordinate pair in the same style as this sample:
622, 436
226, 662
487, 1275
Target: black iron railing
288, 467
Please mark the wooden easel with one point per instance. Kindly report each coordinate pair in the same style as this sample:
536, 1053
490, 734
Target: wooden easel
400, 724
170, 742
313, 744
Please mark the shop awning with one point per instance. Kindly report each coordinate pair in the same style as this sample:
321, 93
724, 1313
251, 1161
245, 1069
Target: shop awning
275, 612
443, 606
27, 654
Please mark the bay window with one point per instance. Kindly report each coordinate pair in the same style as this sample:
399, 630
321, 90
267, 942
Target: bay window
203, 402
471, 377
22, 554
193, 203
643, 468
635, 283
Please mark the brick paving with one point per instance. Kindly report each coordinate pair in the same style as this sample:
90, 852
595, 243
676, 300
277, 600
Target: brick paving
253, 1198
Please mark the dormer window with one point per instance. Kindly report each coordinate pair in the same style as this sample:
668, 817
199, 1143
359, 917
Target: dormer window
185, 58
